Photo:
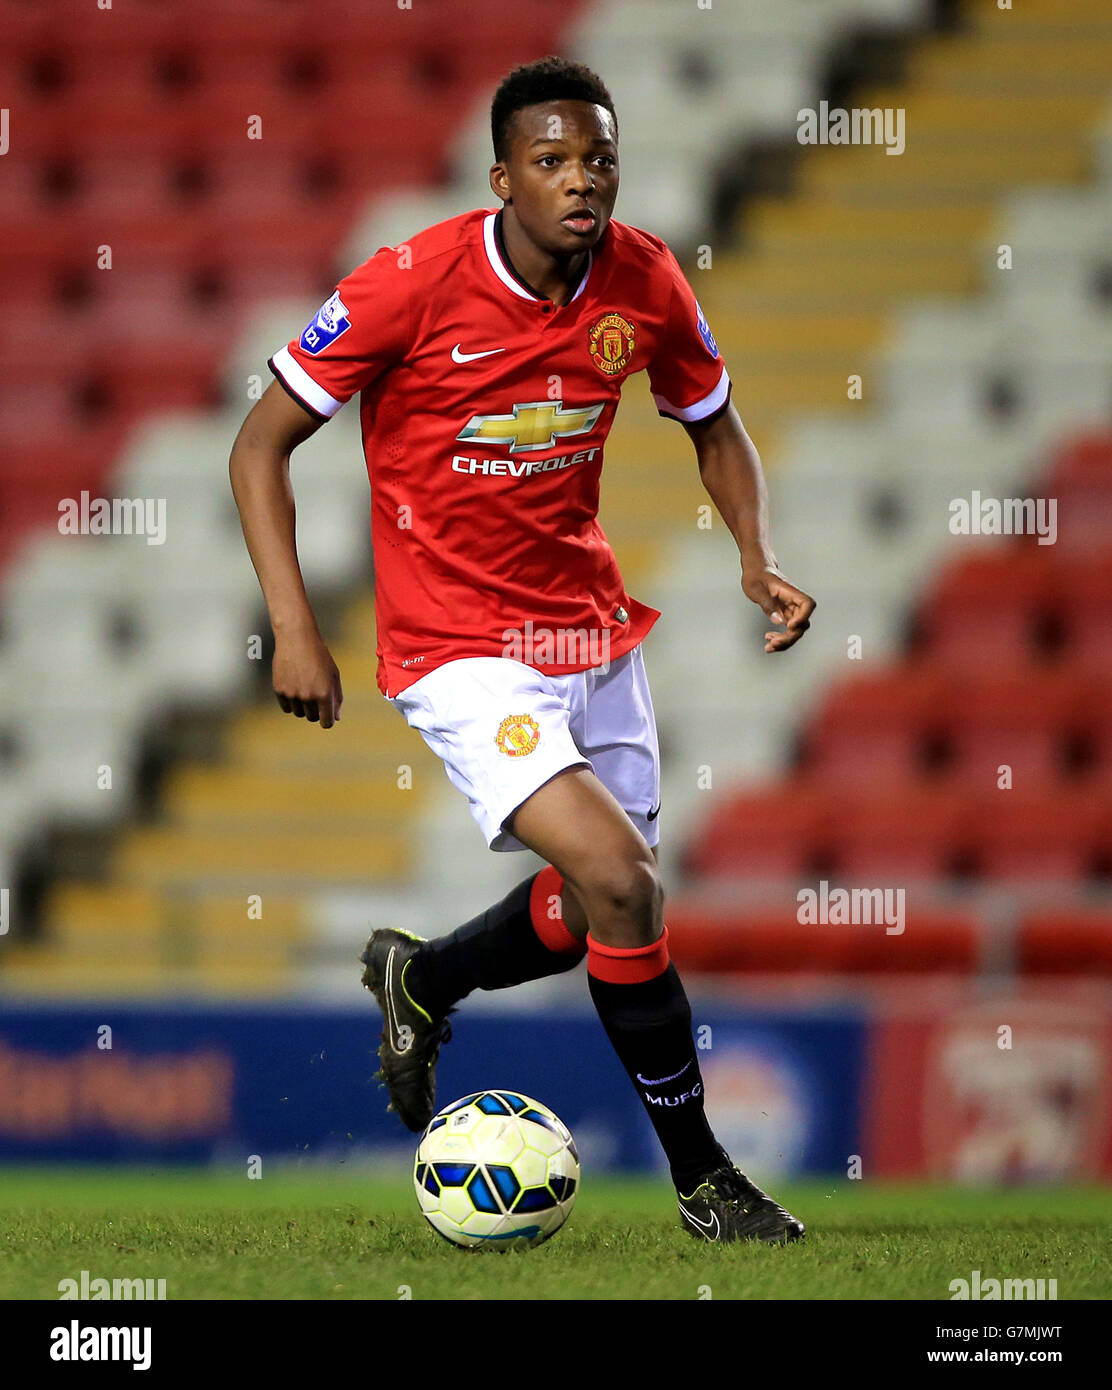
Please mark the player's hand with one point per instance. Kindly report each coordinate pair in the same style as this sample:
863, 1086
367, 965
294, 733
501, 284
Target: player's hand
306, 679
782, 603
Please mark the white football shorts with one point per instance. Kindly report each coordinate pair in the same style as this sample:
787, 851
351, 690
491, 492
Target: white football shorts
503, 729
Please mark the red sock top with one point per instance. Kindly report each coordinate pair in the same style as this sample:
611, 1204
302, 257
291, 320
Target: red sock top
545, 909
627, 965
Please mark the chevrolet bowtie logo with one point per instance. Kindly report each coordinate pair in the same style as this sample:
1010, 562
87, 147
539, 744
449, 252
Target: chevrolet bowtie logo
537, 425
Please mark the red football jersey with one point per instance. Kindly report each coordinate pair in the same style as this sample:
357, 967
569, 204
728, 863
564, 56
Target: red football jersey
484, 411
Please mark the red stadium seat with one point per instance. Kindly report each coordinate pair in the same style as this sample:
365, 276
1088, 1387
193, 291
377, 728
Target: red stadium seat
242, 190
931, 941
1019, 836
756, 942
875, 729
1020, 722
773, 940
1092, 752
1081, 481
887, 839
985, 612
1087, 615
38, 474
763, 834
1065, 943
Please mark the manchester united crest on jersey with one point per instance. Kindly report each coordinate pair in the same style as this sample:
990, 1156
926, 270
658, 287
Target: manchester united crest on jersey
611, 343
518, 734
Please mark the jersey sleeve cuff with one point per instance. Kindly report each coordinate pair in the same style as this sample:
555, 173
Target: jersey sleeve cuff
301, 386
711, 404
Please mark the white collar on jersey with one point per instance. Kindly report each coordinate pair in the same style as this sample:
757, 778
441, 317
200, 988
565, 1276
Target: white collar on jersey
508, 280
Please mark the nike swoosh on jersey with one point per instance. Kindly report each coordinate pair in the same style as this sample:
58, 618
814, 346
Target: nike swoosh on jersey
660, 1082
458, 356
708, 1226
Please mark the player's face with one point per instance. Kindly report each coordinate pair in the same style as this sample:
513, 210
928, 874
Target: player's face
562, 173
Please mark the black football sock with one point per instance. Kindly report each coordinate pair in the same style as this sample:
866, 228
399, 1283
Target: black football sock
521, 938
642, 1005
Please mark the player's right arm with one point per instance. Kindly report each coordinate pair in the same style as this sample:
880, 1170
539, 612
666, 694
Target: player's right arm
360, 332
306, 681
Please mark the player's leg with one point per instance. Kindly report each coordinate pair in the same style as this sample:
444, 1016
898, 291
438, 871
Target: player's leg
523, 937
578, 826
501, 729
600, 834
572, 914
638, 994
505, 789
537, 930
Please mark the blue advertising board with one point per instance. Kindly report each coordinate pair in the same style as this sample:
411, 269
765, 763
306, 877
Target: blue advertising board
119, 1082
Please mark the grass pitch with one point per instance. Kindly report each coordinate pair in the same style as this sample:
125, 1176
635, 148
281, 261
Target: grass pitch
345, 1235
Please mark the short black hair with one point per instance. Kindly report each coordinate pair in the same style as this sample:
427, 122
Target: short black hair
548, 79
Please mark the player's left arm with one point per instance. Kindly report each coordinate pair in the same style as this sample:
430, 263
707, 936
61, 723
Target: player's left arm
730, 469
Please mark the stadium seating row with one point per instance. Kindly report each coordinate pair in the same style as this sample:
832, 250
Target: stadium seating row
801, 828
931, 940
917, 725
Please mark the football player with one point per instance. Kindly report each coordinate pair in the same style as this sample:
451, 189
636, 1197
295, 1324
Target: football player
489, 353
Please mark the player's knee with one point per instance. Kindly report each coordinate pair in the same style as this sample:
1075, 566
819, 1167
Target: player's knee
573, 913
624, 901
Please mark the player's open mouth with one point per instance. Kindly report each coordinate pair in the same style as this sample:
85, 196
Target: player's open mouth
580, 222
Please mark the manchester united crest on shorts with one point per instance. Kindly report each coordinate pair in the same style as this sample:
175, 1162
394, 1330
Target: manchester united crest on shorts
518, 734
611, 344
